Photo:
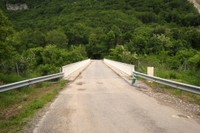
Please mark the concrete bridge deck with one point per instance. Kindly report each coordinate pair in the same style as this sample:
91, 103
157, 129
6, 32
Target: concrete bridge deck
99, 101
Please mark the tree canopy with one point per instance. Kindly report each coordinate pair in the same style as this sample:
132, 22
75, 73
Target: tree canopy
125, 30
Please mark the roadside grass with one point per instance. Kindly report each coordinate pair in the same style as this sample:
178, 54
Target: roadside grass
18, 106
183, 95
188, 77
10, 78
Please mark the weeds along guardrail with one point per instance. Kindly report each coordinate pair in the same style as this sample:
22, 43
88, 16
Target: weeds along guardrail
178, 85
27, 82
66, 71
174, 84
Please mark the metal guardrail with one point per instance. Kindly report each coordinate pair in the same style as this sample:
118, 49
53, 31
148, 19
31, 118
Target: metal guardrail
178, 85
126, 68
29, 82
66, 71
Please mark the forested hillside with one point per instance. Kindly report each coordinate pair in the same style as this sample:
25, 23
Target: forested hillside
160, 33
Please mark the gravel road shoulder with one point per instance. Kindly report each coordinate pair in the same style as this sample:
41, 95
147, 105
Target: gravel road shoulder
190, 110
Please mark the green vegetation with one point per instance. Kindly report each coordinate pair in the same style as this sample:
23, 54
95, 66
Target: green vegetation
183, 95
18, 106
51, 33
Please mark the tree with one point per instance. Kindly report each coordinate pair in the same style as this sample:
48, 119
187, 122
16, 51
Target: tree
78, 33
117, 32
6, 50
159, 43
57, 38
148, 17
195, 61
140, 43
110, 39
121, 53
192, 36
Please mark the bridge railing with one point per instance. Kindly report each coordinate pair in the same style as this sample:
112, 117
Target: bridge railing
126, 68
174, 84
66, 71
71, 68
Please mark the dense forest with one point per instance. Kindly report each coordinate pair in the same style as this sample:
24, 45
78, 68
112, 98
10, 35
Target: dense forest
160, 33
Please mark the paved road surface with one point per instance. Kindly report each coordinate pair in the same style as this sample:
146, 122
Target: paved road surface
99, 101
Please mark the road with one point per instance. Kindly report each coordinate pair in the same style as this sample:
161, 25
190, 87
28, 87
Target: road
99, 101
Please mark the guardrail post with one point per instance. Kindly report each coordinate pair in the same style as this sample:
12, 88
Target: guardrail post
134, 76
158, 87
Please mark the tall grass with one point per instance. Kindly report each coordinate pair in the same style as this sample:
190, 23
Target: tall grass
189, 76
9, 78
162, 70
19, 105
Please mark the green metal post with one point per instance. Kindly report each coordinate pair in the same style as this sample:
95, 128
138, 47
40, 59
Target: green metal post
134, 78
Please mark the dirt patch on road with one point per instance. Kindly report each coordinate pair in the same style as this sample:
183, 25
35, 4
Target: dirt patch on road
81, 89
99, 82
80, 83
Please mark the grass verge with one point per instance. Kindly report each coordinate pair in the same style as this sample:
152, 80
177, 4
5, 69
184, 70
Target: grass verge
188, 77
184, 95
18, 106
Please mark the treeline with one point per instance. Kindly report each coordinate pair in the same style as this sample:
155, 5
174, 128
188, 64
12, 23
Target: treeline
28, 54
161, 33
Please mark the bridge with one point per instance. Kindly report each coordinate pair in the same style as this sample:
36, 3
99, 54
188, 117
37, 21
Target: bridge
100, 101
